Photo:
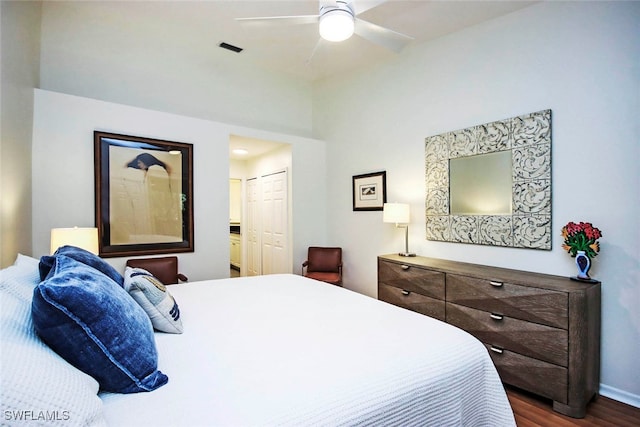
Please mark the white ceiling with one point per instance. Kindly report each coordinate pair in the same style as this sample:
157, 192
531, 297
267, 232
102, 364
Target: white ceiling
200, 26
288, 48
255, 147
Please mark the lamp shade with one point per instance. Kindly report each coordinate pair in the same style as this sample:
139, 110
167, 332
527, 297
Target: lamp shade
81, 237
336, 25
396, 212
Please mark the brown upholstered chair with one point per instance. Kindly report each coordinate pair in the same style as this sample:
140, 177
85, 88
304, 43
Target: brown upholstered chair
324, 264
164, 269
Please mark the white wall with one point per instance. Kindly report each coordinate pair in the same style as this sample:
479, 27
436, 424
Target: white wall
19, 74
63, 175
581, 60
237, 169
102, 50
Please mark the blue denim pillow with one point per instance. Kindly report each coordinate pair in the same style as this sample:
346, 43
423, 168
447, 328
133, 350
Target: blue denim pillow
83, 256
95, 325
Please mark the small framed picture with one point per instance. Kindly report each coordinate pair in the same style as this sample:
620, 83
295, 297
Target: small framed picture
369, 191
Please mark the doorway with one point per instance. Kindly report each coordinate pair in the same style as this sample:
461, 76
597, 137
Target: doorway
264, 177
235, 227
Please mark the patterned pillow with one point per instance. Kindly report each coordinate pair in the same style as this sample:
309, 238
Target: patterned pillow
153, 297
93, 323
83, 256
36, 382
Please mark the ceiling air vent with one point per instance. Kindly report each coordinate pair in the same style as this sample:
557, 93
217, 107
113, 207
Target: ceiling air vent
230, 47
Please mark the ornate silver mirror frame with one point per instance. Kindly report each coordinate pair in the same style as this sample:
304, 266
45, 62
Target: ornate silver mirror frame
528, 137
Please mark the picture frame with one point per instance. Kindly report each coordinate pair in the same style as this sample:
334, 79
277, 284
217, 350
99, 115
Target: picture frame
370, 191
143, 195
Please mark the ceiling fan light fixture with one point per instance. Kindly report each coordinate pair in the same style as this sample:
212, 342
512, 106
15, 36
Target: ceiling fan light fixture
336, 25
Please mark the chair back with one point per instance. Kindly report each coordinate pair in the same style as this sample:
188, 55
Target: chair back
164, 269
324, 259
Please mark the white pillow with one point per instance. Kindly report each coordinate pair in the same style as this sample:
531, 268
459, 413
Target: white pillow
153, 297
37, 384
27, 262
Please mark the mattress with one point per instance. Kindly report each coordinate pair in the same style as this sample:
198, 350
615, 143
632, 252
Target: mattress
287, 350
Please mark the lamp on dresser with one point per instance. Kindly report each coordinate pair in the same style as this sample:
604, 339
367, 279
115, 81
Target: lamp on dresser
399, 213
81, 237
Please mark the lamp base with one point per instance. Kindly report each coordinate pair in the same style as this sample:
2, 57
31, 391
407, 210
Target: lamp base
407, 254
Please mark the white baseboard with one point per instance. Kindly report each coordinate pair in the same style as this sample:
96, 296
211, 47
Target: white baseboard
620, 395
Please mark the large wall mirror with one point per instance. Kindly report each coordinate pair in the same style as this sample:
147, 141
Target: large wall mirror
491, 184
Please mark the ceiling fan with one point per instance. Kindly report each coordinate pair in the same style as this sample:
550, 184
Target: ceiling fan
337, 21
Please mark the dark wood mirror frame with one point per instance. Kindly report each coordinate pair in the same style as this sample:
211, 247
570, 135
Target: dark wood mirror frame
143, 195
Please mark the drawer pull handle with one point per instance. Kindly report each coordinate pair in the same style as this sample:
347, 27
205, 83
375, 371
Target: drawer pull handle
496, 284
496, 316
406, 293
496, 350
405, 267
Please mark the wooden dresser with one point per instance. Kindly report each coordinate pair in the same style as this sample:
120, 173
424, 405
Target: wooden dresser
542, 331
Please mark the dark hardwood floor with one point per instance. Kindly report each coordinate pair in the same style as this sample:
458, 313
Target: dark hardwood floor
533, 411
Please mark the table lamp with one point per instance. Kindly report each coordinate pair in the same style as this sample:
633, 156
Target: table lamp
399, 213
81, 237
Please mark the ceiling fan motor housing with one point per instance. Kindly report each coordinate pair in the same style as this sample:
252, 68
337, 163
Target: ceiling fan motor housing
337, 21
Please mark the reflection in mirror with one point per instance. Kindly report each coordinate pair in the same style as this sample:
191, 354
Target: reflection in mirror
481, 185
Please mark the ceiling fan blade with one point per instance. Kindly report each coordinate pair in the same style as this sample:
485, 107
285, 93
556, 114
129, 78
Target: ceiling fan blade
313, 52
360, 6
381, 36
287, 20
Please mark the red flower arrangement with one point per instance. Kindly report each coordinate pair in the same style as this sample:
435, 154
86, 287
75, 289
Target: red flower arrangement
581, 237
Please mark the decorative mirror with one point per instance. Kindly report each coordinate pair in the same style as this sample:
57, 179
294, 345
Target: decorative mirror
491, 184
144, 195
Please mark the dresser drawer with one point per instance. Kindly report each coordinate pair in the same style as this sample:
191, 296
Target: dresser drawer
529, 339
534, 375
522, 302
412, 301
411, 278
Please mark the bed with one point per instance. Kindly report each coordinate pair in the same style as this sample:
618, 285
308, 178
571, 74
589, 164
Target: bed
267, 350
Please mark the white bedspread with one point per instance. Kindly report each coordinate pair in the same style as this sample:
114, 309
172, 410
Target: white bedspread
286, 350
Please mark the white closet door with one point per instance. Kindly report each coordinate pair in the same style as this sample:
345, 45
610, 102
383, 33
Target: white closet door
275, 224
252, 229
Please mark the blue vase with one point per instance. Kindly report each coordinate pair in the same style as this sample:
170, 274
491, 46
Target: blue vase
584, 264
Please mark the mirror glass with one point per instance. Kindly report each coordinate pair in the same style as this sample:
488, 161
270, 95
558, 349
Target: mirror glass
481, 185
